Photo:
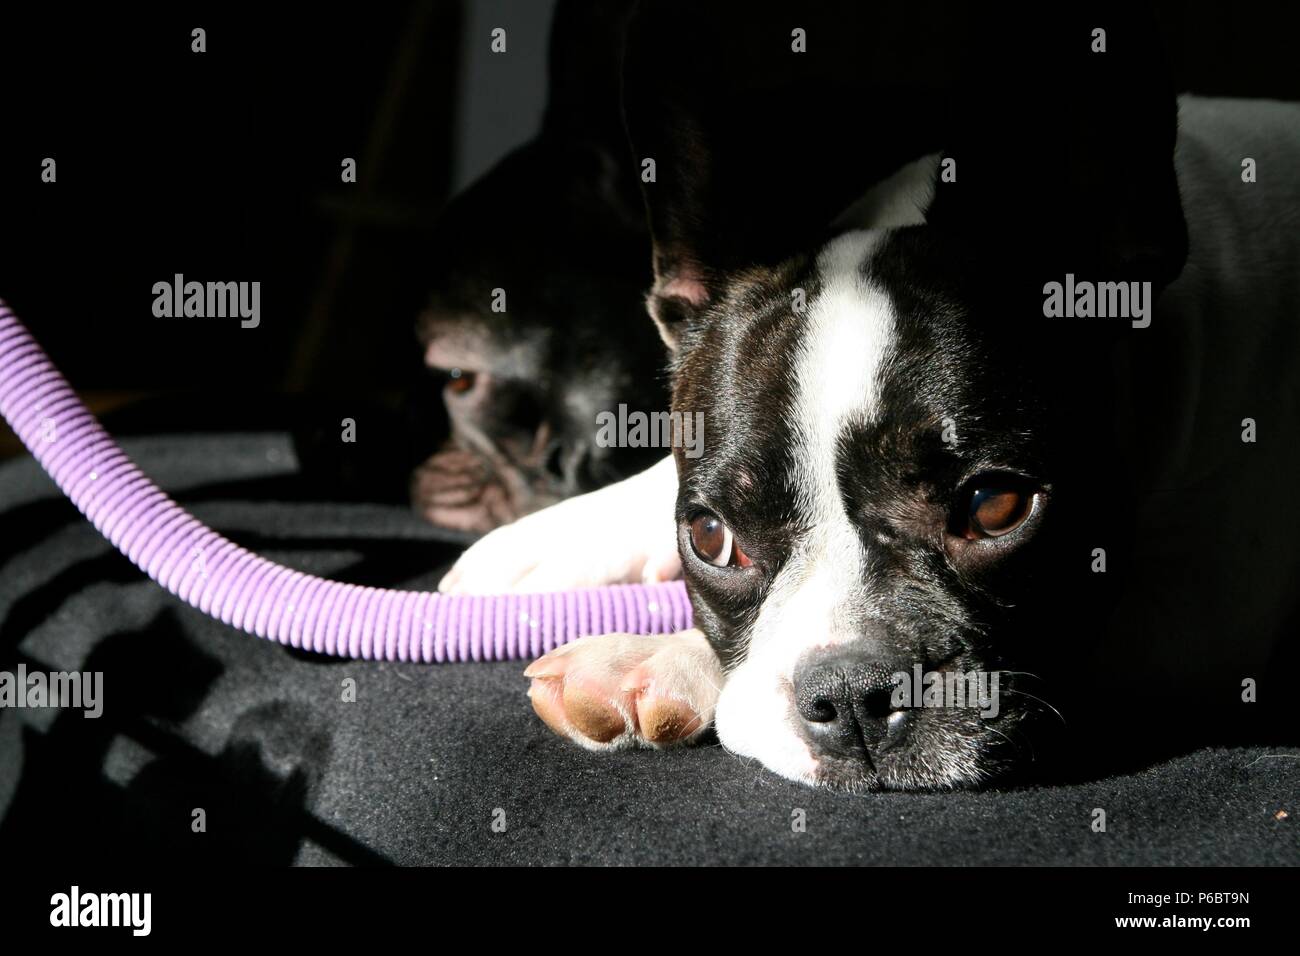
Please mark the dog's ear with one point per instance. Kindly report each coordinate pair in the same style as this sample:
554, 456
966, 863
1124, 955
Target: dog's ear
1071, 146
752, 130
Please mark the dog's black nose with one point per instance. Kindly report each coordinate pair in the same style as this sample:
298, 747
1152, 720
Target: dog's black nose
846, 705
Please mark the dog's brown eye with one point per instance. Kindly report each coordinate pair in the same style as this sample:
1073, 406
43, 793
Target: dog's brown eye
997, 511
714, 543
459, 381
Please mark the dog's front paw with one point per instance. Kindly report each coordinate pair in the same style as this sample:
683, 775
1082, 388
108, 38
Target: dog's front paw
613, 691
454, 489
623, 533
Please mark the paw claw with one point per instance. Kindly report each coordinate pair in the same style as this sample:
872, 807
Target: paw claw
548, 703
551, 665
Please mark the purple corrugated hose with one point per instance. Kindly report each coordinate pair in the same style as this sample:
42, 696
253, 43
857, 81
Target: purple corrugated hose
261, 597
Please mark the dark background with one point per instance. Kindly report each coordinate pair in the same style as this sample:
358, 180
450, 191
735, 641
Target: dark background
225, 166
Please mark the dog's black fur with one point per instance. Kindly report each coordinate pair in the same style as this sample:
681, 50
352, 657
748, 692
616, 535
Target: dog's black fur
1066, 165
1065, 162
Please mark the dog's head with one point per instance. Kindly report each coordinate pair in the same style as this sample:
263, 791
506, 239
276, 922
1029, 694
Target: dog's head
534, 325
899, 471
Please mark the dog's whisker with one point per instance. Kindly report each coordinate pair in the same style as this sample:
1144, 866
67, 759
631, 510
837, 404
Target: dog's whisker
1004, 737
1041, 701
1024, 674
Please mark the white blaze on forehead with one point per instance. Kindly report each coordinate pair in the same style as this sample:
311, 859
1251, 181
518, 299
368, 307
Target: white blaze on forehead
837, 368
816, 598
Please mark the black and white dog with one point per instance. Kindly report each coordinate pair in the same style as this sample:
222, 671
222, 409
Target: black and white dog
1025, 412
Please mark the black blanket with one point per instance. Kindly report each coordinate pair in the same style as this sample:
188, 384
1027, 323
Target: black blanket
447, 763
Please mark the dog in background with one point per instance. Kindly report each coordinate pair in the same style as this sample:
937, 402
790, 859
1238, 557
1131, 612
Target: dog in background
536, 319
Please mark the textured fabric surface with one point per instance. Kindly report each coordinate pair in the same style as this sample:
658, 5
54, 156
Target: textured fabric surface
447, 763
